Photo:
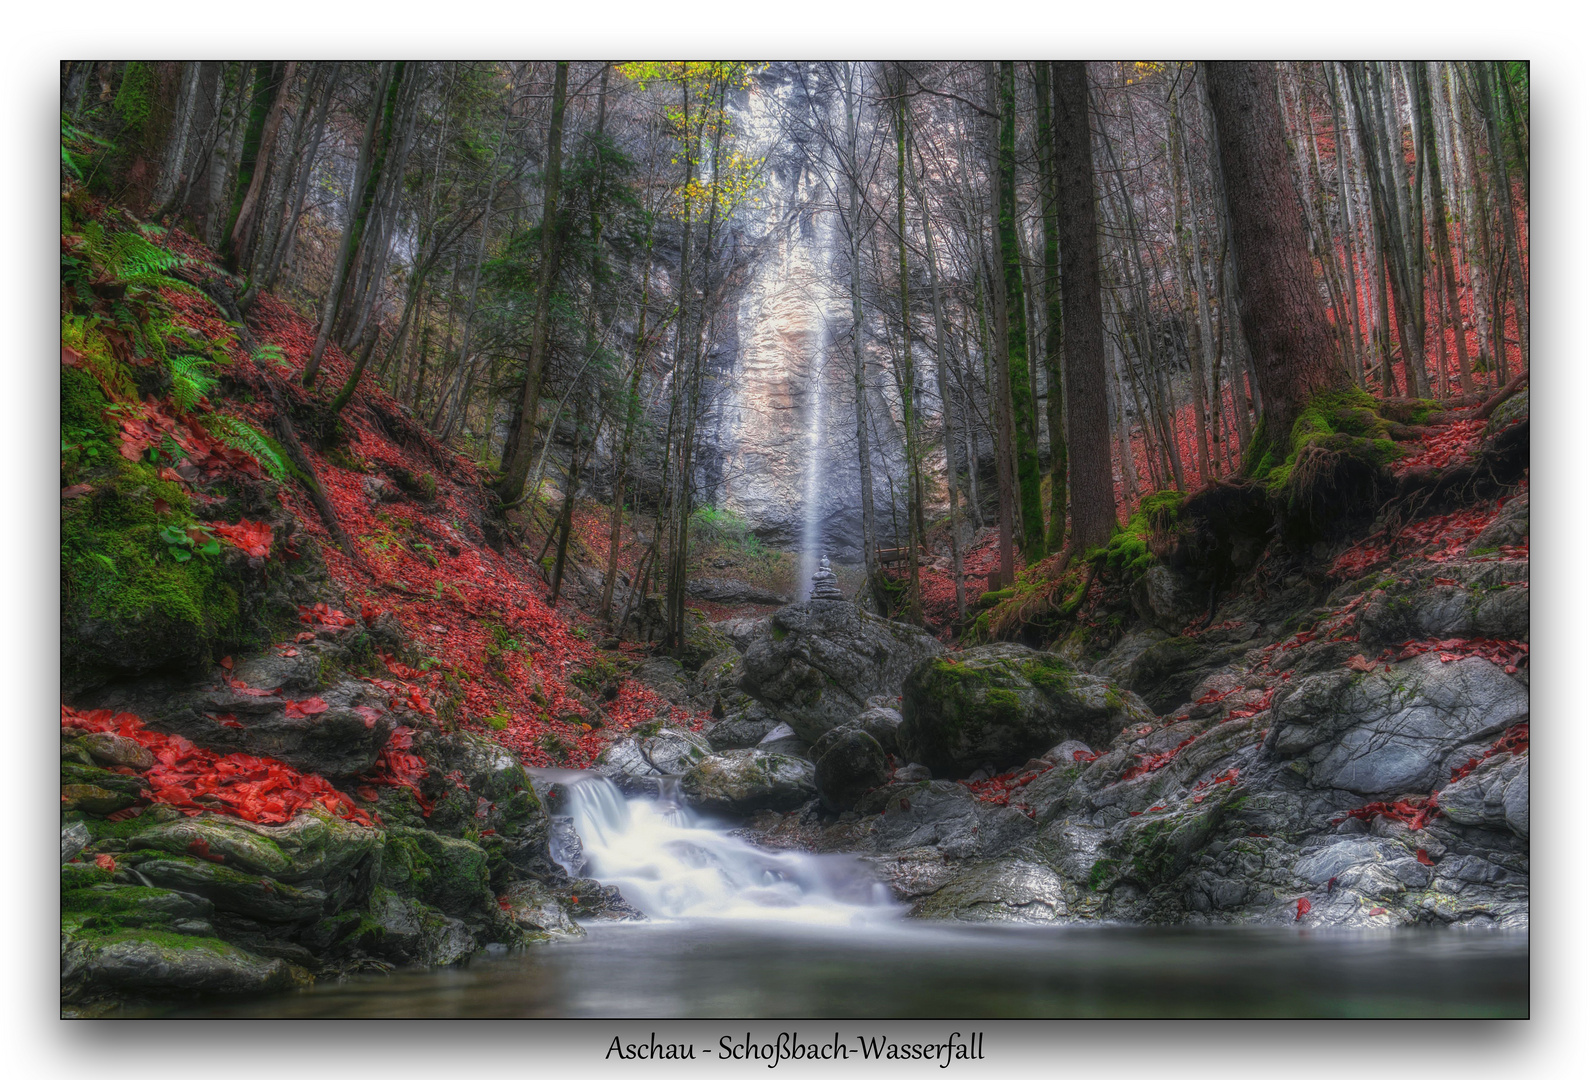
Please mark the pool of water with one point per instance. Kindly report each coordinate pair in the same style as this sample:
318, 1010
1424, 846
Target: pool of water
698, 968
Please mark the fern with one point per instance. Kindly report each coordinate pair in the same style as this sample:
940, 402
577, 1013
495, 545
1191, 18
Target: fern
133, 261
82, 335
256, 444
191, 381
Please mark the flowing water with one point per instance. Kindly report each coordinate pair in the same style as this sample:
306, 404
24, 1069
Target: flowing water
740, 932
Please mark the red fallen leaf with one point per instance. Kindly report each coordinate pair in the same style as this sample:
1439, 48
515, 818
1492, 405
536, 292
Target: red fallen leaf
299, 710
170, 475
367, 793
1083, 755
367, 714
239, 687
1134, 813
1377, 911
305, 638
1152, 809
502, 902
1303, 908
252, 537
226, 662
228, 720
574, 899
125, 814
1359, 663
106, 863
1424, 858
77, 491
1330, 886
200, 847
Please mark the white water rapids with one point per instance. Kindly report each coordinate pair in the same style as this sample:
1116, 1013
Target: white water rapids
673, 866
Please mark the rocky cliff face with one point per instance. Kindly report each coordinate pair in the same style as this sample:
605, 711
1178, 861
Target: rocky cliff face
780, 439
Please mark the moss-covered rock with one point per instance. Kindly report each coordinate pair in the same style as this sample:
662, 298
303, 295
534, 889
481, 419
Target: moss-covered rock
156, 963
444, 871
1002, 704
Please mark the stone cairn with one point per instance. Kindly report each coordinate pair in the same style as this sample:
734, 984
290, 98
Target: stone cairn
825, 585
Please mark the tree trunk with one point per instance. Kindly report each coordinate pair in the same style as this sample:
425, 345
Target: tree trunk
1087, 409
511, 486
1288, 335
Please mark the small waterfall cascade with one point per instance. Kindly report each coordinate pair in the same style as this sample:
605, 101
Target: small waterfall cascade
671, 866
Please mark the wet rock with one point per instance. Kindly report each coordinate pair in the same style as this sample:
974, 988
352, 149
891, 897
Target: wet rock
741, 782
944, 816
783, 740
1496, 794
911, 774
414, 932
589, 900
670, 752
74, 837
150, 964
1003, 890
532, 907
1003, 704
342, 741
817, 663
848, 763
730, 591
1115, 664
742, 730
1390, 732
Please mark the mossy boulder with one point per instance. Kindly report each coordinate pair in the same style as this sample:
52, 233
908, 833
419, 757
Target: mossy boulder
156, 963
1002, 704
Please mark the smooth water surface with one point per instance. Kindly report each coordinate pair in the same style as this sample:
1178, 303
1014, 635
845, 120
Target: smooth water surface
739, 968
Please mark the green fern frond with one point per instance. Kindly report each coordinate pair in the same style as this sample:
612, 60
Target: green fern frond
191, 381
82, 335
256, 444
128, 258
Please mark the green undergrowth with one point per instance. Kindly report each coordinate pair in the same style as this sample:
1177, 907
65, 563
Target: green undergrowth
1132, 550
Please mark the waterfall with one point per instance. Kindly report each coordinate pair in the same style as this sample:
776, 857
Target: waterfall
672, 866
811, 512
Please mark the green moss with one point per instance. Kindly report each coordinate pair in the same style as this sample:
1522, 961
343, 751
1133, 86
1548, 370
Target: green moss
1342, 421
1103, 870
135, 98
1053, 678
779, 633
1130, 550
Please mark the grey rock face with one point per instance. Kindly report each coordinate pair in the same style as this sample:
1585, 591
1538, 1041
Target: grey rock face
415, 932
1010, 890
817, 663
1167, 599
1496, 793
944, 816
74, 838
738, 783
883, 724
532, 907
1003, 704
1389, 733
670, 752
1489, 599
742, 730
848, 763
741, 631
731, 591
